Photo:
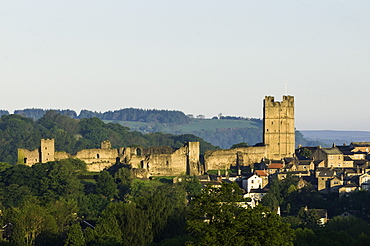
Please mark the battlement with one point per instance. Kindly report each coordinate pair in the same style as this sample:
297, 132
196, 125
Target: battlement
288, 101
278, 127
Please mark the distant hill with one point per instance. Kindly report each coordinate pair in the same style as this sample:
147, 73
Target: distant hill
338, 137
223, 132
219, 132
72, 135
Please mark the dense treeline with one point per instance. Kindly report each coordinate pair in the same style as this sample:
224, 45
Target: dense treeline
50, 204
128, 114
3, 112
59, 203
56, 204
72, 135
38, 113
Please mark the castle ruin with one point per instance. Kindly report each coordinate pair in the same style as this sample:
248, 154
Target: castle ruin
154, 161
278, 139
278, 142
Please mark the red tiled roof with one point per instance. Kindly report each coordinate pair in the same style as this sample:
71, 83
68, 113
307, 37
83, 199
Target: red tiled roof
275, 166
261, 173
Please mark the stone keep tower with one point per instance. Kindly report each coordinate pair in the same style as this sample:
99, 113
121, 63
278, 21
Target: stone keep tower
47, 150
192, 162
278, 127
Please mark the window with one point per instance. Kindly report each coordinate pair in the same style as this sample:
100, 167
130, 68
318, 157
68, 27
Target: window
138, 151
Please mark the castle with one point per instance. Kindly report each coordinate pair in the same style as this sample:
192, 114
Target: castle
278, 142
278, 139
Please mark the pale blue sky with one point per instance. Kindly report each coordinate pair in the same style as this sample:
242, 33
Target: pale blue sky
200, 57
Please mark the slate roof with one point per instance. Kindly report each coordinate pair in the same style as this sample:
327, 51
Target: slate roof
360, 144
304, 162
288, 160
247, 175
346, 150
258, 191
332, 151
326, 173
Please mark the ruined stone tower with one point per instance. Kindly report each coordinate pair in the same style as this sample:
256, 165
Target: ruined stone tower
47, 150
278, 127
193, 163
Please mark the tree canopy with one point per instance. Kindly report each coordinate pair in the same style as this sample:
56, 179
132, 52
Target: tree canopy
220, 216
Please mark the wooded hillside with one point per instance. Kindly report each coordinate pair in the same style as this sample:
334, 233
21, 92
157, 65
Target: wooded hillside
72, 135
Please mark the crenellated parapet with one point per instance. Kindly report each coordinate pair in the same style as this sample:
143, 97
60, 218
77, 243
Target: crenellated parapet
278, 127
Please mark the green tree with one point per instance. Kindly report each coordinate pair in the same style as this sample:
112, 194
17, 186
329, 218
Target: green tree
305, 152
105, 185
309, 217
75, 236
270, 201
30, 220
124, 224
64, 212
217, 218
240, 145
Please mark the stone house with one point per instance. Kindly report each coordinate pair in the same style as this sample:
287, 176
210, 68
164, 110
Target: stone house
264, 176
335, 184
360, 146
364, 181
332, 157
323, 179
273, 168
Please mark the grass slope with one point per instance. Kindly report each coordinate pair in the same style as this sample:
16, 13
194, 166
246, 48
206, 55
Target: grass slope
195, 125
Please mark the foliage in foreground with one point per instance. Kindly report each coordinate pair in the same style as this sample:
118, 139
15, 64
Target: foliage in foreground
217, 217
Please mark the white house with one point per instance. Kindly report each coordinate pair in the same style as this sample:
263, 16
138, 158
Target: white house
251, 181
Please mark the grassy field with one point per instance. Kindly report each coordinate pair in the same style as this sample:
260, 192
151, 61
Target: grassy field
195, 125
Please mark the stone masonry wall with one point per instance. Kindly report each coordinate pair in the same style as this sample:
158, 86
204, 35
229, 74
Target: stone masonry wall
225, 158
